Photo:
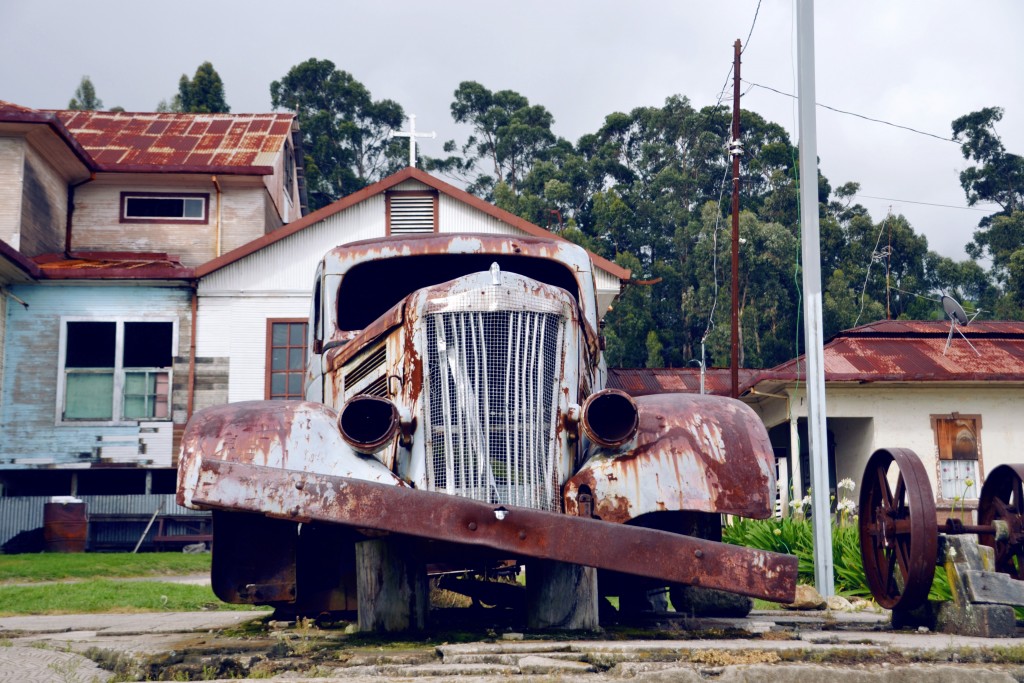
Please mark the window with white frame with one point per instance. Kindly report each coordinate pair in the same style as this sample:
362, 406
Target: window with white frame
116, 370
958, 441
164, 207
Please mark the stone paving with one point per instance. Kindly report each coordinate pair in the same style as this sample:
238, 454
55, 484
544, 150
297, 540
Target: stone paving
768, 646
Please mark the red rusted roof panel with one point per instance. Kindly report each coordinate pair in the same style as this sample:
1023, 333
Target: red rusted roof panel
141, 142
915, 351
112, 266
646, 381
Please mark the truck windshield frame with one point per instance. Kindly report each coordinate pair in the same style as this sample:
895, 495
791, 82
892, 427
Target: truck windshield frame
371, 288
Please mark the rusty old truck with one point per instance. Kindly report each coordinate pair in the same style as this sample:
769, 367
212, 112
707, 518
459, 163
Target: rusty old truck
456, 417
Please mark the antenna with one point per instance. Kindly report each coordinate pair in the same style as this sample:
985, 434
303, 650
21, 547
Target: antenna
957, 319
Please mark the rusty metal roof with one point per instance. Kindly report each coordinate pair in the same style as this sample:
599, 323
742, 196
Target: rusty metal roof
112, 266
645, 381
244, 144
915, 351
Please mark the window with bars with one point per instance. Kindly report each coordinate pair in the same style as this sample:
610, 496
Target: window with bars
286, 359
958, 442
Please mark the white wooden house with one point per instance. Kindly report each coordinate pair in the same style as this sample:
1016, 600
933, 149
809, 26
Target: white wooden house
254, 301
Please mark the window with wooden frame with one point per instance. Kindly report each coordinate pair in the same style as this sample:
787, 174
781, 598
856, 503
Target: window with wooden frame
286, 359
958, 444
116, 370
410, 212
165, 207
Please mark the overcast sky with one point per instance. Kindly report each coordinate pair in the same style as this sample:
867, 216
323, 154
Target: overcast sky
918, 64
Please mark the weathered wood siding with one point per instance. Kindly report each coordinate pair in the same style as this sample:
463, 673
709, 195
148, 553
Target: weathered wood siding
243, 214
44, 206
28, 409
3, 327
12, 170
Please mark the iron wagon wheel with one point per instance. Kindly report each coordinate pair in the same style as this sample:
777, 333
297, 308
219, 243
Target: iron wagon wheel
898, 532
1002, 499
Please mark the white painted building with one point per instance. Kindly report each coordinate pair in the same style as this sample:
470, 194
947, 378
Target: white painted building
262, 290
893, 384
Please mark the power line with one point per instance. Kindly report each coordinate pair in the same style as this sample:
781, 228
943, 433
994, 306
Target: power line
751, 32
725, 86
944, 206
860, 116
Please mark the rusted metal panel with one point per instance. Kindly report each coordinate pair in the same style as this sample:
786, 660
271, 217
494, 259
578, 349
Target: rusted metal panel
181, 143
573, 258
915, 351
277, 435
518, 531
644, 381
699, 453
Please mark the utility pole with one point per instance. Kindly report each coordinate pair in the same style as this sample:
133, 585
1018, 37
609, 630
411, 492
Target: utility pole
735, 150
813, 325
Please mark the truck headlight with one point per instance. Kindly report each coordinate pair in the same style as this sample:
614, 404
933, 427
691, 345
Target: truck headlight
610, 418
368, 423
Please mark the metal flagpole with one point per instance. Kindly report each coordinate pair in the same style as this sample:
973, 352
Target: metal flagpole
814, 337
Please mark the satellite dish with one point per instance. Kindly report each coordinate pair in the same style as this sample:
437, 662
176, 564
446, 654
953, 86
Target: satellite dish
957, 319
954, 310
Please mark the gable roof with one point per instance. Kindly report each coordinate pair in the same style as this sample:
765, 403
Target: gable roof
124, 142
229, 144
409, 173
915, 351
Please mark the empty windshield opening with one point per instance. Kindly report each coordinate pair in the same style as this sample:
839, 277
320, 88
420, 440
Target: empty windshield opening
371, 288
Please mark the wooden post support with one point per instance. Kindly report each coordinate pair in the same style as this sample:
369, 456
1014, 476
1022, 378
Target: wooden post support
391, 586
561, 595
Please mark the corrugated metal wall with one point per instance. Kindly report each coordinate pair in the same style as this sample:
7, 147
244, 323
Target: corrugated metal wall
289, 265
454, 216
23, 513
29, 409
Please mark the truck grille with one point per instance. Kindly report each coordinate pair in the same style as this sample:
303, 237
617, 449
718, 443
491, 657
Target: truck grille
492, 408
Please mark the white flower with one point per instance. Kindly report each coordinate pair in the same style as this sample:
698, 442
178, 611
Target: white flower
806, 500
846, 505
846, 484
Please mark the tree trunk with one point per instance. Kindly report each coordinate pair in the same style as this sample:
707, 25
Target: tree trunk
391, 586
562, 596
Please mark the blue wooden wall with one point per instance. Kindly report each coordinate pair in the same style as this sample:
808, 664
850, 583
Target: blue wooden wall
29, 433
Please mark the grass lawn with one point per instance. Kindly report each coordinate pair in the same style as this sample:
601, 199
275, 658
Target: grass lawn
105, 595
95, 586
31, 567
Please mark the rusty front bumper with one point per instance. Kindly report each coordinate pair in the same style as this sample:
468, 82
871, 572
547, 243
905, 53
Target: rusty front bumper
525, 532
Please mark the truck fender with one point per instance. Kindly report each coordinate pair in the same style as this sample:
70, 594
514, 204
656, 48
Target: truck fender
691, 452
296, 436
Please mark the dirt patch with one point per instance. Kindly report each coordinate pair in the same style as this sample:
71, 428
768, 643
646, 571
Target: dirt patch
732, 657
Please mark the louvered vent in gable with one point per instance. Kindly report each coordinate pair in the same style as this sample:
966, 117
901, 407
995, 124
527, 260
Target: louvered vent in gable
411, 212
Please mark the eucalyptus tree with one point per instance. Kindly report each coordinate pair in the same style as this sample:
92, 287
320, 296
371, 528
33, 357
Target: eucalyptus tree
344, 130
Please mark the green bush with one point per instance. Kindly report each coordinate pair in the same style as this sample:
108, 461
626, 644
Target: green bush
795, 536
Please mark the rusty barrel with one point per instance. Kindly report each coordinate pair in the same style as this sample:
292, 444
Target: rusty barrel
65, 527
